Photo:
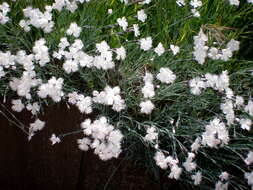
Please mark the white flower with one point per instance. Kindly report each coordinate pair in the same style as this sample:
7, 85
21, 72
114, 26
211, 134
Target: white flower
148, 90
104, 138
175, 171
239, 101
196, 145
197, 178
38, 19
245, 124
109, 11
4, 9
161, 160
195, 13
84, 144
224, 176
227, 109
234, 2
214, 53
73, 98
123, 23
54, 139
53, 89
180, 3
147, 107
34, 108
233, 45
249, 177
175, 49
215, 134
159, 49
70, 66
226, 54
146, 43
84, 104
151, 134
148, 78
17, 105
189, 165
196, 3
221, 186
37, 125
136, 30
110, 96
40, 51
102, 47
146, 2
121, 53
249, 159
196, 85
165, 75
141, 15
74, 30
200, 50
249, 107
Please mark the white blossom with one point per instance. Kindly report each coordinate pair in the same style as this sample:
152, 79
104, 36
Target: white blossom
4, 10
17, 105
200, 49
121, 53
165, 75
180, 3
74, 30
159, 49
245, 124
249, 107
215, 134
189, 165
136, 30
123, 23
53, 89
175, 49
70, 66
249, 159
147, 107
151, 134
146, 43
234, 2
102, 137
40, 51
54, 139
36, 126
197, 178
110, 96
141, 15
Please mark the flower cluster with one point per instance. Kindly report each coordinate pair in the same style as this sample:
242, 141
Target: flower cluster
102, 137
216, 82
110, 96
164, 162
4, 9
83, 103
40, 51
37, 19
215, 134
53, 89
201, 50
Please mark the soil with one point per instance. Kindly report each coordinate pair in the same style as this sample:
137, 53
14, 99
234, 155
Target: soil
37, 165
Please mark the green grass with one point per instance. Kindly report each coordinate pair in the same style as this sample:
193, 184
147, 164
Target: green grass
169, 24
